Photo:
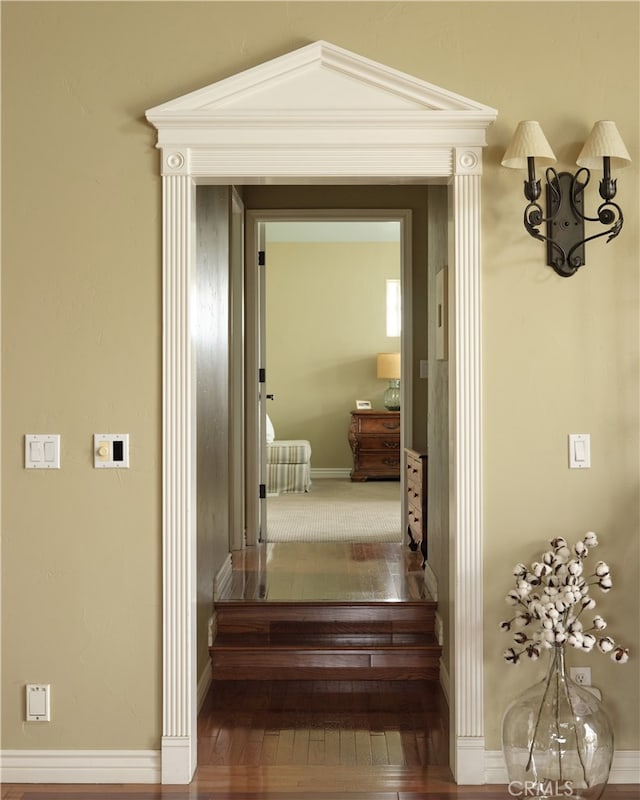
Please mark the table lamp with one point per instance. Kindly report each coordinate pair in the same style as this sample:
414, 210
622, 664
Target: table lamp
389, 369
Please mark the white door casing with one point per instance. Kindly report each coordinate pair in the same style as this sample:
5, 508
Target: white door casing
321, 114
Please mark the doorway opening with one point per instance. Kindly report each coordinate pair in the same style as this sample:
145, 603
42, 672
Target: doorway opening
320, 316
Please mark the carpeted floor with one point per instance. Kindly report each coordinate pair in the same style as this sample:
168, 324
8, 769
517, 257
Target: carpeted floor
337, 510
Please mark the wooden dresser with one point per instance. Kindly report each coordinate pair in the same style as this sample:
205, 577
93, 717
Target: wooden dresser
374, 437
416, 485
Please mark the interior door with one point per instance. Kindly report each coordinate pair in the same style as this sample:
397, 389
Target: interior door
262, 383
237, 499
255, 401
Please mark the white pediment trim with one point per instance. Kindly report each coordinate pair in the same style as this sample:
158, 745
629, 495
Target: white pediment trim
319, 96
280, 86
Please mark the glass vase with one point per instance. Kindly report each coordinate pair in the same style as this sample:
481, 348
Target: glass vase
557, 739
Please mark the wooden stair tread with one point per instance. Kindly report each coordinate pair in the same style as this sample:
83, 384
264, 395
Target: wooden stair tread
326, 641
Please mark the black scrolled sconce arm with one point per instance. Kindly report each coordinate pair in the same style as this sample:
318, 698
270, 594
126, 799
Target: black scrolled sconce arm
533, 214
608, 213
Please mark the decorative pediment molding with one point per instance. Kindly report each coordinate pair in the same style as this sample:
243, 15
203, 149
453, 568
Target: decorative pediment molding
320, 95
322, 115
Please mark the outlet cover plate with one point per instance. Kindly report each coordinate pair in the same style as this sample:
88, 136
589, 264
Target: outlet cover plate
580, 675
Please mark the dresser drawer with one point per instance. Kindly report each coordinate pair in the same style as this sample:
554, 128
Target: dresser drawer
377, 461
381, 442
380, 424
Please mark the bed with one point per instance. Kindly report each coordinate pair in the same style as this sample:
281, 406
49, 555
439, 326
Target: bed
288, 464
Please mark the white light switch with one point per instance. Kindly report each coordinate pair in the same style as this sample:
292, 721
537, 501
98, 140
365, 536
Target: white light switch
579, 450
42, 451
38, 702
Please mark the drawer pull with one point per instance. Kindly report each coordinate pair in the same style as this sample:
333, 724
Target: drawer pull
391, 462
391, 426
391, 445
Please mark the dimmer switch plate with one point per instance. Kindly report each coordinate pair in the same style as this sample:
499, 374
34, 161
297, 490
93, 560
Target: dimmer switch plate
111, 450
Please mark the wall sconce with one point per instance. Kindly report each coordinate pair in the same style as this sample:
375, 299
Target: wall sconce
565, 218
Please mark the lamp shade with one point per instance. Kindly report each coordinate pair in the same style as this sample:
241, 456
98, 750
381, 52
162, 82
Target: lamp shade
604, 140
389, 366
528, 142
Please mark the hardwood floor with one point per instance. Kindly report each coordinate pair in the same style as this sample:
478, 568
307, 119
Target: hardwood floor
316, 740
324, 724
327, 571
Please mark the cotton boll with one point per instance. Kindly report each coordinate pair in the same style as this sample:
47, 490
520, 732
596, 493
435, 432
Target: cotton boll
605, 583
511, 655
590, 539
512, 598
606, 644
581, 550
620, 655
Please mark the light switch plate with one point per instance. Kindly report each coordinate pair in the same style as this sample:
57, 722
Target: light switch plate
38, 702
111, 450
42, 451
579, 450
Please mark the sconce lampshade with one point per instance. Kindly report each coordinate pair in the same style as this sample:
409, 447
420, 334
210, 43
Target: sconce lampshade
604, 140
528, 142
389, 366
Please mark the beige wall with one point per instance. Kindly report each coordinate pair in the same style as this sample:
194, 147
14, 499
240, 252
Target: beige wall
82, 323
325, 324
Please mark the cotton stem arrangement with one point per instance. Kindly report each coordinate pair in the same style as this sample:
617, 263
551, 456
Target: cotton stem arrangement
552, 604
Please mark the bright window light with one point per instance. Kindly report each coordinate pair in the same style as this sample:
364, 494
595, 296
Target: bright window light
394, 308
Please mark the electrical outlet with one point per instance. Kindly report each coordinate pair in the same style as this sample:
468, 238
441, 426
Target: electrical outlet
581, 675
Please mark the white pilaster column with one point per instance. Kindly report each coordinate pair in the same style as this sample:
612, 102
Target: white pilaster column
179, 734
468, 756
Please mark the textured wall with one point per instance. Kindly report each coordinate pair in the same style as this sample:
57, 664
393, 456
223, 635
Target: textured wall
82, 322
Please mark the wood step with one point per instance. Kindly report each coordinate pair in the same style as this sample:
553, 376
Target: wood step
331, 617
325, 641
311, 660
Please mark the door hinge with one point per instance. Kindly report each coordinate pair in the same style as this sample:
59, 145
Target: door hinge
262, 258
262, 375
263, 491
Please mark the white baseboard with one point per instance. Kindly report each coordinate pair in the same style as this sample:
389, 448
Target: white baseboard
80, 766
625, 767
330, 472
143, 766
